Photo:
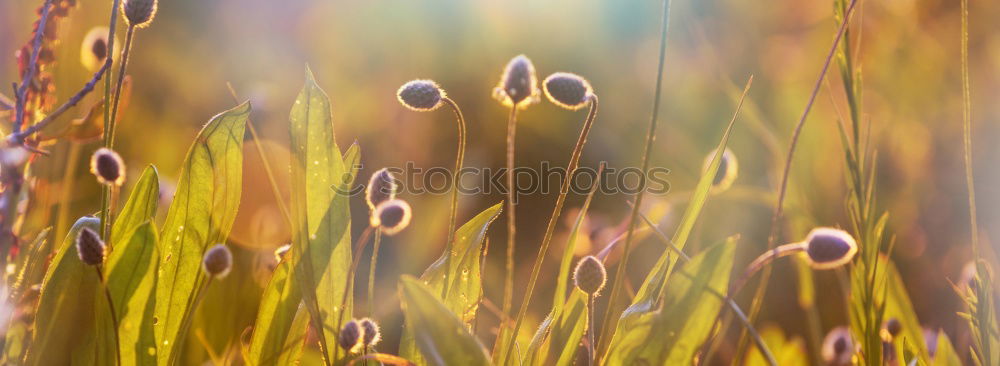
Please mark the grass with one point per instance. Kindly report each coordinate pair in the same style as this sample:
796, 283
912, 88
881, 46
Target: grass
155, 298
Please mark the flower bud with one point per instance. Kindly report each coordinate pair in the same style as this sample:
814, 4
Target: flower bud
829, 248
218, 261
90, 247
518, 85
570, 91
838, 347
381, 188
94, 50
421, 95
351, 337
372, 335
589, 275
108, 166
728, 170
139, 13
892, 328
391, 216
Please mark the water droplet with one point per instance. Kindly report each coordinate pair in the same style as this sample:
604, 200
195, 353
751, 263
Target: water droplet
156, 320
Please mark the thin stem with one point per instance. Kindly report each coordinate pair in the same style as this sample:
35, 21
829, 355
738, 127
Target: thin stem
590, 331
66, 194
36, 46
19, 137
267, 166
108, 61
508, 288
109, 140
776, 218
371, 274
967, 129
114, 316
574, 162
456, 175
349, 286
763, 260
609, 319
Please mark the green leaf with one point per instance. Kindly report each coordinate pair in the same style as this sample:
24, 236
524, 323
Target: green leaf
274, 330
201, 214
31, 264
656, 281
320, 210
464, 276
442, 338
567, 332
786, 351
67, 301
132, 280
140, 207
689, 308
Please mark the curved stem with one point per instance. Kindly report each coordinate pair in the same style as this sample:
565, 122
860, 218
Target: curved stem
763, 260
778, 209
574, 161
609, 320
508, 288
114, 316
371, 274
456, 175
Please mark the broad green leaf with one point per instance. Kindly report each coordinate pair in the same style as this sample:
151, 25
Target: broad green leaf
281, 324
274, 330
320, 210
464, 276
132, 280
140, 207
656, 281
564, 339
442, 338
67, 300
689, 308
201, 215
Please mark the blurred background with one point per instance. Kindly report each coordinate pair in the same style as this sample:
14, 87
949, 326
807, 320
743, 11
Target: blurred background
362, 51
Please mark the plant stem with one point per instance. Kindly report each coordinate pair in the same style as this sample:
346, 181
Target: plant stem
456, 175
66, 194
114, 316
371, 274
776, 218
109, 134
574, 162
36, 45
590, 331
359, 247
508, 288
610, 321
967, 129
108, 62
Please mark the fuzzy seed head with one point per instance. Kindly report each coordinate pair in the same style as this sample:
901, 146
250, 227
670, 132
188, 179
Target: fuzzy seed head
381, 188
90, 247
391, 216
94, 50
421, 95
589, 275
218, 261
108, 167
372, 335
829, 248
518, 85
838, 347
570, 91
351, 337
892, 328
728, 170
139, 13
